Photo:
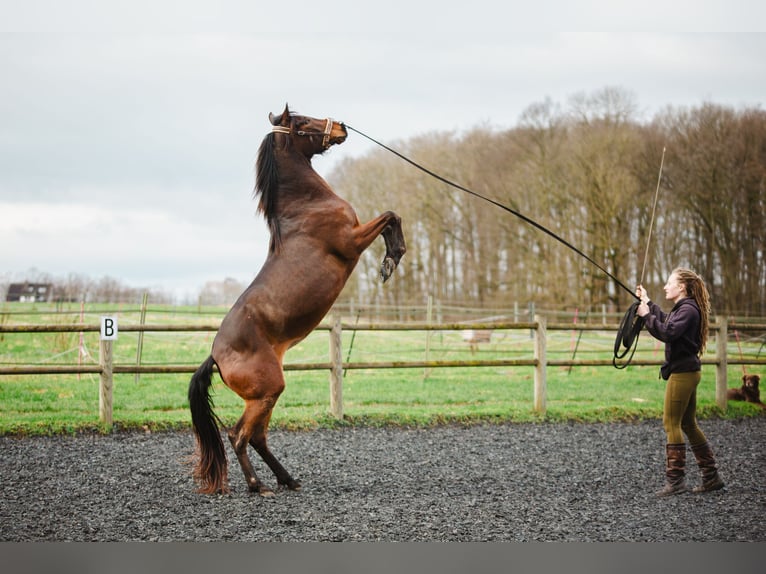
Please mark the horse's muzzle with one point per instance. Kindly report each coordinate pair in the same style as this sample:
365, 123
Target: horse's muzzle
338, 134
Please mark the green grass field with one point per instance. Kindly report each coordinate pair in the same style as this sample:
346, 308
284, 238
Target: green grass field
69, 403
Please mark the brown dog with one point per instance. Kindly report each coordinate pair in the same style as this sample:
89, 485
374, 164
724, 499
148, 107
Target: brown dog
748, 391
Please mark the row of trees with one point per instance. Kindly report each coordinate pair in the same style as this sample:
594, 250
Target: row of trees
588, 171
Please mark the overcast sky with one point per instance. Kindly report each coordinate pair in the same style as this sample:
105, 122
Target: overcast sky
128, 130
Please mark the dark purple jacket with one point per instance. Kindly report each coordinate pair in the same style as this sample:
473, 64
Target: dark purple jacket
680, 331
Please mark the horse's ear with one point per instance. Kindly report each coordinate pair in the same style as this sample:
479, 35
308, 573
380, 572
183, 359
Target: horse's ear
282, 119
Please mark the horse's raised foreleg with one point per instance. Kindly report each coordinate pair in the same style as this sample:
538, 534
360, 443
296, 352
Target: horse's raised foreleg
389, 225
395, 247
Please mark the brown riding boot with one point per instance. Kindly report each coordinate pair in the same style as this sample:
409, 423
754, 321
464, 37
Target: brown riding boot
675, 482
706, 461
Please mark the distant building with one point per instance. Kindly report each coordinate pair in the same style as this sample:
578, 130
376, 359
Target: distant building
29, 292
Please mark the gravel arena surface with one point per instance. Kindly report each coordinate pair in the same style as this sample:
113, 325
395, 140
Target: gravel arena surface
514, 483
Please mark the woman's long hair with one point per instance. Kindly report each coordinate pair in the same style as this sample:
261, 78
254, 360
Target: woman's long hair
696, 289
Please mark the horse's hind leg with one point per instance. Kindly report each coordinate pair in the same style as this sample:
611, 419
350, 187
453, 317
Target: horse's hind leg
251, 429
241, 434
258, 442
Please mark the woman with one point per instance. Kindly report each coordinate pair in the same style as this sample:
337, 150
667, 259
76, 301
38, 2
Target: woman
684, 331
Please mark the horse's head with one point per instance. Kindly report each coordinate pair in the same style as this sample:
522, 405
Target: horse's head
295, 134
309, 135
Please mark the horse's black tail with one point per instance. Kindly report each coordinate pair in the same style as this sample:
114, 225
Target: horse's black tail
211, 466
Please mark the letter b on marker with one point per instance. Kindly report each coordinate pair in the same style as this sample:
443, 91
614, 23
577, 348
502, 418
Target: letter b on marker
108, 328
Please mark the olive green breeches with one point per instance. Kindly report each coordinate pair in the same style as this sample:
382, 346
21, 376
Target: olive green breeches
680, 412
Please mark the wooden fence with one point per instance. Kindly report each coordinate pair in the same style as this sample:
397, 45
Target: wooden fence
106, 368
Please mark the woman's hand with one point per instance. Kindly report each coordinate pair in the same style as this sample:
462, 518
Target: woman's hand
641, 294
643, 307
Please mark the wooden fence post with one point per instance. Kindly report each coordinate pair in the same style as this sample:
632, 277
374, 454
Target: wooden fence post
722, 364
540, 352
336, 371
105, 359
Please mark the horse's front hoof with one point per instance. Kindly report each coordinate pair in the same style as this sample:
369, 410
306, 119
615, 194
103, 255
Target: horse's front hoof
387, 268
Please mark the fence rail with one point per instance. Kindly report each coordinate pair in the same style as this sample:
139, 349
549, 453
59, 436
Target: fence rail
106, 368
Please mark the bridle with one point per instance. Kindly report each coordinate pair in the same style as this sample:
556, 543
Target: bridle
326, 133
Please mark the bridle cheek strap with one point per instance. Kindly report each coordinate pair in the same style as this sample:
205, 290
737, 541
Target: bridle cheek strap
327, 130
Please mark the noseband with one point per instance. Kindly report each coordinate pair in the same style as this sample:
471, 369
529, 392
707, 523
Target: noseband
325, 139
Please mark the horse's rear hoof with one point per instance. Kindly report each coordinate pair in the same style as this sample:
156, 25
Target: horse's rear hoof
260, 488
264, 491
291, 484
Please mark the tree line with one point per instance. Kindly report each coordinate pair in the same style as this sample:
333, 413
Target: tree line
589, 171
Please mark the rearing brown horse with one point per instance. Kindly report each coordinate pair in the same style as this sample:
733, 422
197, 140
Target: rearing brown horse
316, 240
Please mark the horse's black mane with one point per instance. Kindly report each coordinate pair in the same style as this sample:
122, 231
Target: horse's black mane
266, 184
